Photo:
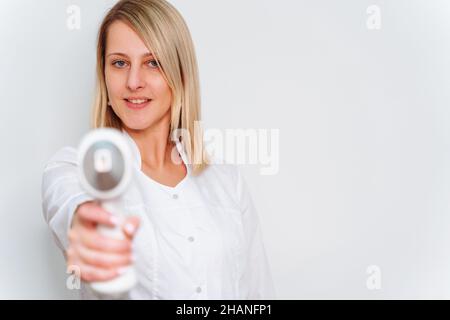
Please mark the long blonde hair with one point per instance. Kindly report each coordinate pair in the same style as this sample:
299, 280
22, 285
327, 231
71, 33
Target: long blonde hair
166, 34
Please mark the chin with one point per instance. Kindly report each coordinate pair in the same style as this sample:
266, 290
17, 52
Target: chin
142, 121
134, 125
137, 123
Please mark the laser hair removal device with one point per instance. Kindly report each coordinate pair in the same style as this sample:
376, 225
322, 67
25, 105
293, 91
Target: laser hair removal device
105, 171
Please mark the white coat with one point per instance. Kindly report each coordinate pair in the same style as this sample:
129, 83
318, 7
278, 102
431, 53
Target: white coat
198, 240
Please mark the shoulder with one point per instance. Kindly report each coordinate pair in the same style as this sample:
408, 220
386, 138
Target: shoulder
60, 170
64, 155
222, 172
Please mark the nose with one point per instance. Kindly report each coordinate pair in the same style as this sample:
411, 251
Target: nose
135, 79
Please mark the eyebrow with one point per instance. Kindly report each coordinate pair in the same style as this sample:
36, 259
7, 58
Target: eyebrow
145, 55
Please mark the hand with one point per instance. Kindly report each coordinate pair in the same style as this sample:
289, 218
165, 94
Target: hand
99, 258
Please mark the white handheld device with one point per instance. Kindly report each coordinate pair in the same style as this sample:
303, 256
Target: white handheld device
105, 173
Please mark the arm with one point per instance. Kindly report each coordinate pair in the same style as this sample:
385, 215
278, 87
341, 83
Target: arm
61, 194
98, 258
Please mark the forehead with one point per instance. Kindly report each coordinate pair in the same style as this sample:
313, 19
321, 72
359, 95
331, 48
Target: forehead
122, 38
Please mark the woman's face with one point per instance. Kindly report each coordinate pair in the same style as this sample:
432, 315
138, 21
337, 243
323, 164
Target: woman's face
137, 90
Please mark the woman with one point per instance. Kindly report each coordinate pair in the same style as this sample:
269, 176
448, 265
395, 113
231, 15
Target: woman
195, 232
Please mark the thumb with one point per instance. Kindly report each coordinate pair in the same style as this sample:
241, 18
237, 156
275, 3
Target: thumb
130, 226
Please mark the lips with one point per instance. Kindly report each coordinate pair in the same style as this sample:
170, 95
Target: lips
137, 103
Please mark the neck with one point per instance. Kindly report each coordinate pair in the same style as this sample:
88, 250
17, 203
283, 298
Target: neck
154, 144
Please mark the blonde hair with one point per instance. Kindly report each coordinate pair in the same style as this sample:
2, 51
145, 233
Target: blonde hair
166, 34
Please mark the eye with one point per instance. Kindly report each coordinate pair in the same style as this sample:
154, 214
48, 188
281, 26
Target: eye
119, 63
153, 63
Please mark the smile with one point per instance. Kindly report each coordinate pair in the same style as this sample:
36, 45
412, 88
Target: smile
137, 103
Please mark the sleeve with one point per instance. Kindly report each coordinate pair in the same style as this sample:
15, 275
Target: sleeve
256, 282
61, 194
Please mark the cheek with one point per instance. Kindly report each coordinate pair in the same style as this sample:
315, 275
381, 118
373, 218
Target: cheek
162, 89
113, 84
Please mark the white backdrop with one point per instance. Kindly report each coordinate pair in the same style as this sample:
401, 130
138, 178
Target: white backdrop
363, 116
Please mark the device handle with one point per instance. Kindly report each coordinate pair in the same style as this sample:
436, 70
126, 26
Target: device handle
128, 280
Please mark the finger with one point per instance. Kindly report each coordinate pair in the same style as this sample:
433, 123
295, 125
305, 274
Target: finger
102, 259
130, 226
91, 212
94, 240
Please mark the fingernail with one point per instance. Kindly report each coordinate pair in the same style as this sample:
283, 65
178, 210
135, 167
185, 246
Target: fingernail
129, 228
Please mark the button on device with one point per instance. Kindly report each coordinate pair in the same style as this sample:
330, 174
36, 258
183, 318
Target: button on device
198, 289
175, 196
191, 239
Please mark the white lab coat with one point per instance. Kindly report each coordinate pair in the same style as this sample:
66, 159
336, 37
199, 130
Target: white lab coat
199, 240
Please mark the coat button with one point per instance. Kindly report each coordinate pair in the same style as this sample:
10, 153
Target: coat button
198, 289
175, 196
191, 239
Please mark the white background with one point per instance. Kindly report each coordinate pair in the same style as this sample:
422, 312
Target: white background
364, 124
